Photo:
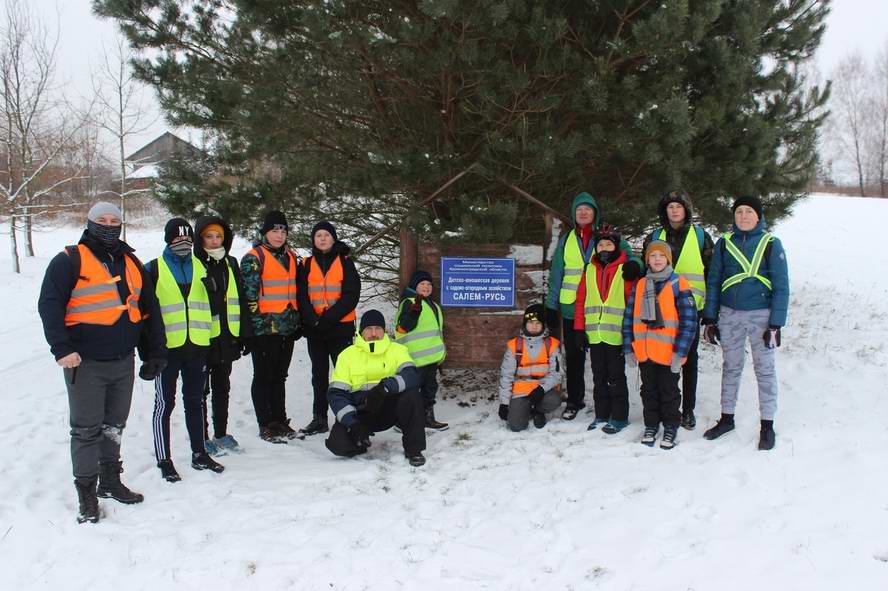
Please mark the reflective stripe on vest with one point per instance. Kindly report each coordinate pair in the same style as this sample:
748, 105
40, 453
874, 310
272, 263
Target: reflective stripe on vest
574, 264
95, 298
277, 288
604, 320
195, 322
530, 371
325, 290
425, 342
750, 269
657, 344
232, 308
690, 265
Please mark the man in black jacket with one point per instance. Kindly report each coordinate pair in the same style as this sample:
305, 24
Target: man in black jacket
95, 301
328, 291
232, 317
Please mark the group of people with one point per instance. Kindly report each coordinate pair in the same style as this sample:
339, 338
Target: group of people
195, 310
622, 311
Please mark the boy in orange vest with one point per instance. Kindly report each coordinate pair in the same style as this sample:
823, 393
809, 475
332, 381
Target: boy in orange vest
530, 373
658, 327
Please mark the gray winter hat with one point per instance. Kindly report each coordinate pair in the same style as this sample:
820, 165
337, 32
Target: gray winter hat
103, 208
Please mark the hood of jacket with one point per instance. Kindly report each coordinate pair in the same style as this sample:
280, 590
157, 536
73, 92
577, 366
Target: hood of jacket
199, 226
666, 200
585, 198
372, 348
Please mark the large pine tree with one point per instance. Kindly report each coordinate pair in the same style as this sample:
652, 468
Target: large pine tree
359, 110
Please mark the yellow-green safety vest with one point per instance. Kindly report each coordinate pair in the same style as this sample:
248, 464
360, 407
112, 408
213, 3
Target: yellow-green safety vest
604, 320
232, 308
690, 265
426, 341
750, 269
359, 368
196, 322
574, 264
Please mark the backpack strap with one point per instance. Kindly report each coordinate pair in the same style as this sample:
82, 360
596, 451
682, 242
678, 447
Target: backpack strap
74, 255
701, 238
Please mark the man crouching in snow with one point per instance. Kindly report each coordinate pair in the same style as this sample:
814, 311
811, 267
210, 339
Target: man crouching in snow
375, 386
530, 373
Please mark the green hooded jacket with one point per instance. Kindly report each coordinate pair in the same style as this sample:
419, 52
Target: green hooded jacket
556, 270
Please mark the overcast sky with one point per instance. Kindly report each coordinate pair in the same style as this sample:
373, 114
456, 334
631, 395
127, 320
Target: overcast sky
853, 24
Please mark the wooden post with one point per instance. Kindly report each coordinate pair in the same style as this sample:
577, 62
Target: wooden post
409, 253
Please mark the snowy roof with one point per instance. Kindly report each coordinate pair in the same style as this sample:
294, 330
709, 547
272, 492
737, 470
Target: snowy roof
149, 171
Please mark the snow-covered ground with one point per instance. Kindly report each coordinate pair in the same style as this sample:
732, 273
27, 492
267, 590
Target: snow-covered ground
559, 508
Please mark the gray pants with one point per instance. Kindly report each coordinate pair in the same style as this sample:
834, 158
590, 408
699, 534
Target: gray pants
735, 327
519, 409
99, 396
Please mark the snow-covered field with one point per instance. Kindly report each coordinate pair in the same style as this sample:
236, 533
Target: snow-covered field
560, 508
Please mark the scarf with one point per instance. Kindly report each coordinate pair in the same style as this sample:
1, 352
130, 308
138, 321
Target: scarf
216, 253
181, 248
107, 236
650, 307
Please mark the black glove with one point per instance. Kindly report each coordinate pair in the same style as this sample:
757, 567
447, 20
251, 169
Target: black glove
581, 341
359, 434
553, 322
772, 337
246, 346
324, 324
416, 306
504, 412
631, 270
297, 334
151, 369
374, 398
389, 384
536, 396
711, 334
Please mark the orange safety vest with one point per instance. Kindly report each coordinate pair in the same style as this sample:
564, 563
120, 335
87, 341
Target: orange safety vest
95, 299
325, 290
278, 288
657, 344
530, 371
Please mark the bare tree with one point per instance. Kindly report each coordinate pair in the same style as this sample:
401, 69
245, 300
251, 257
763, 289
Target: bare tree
35, 127
879, 129
851, 107
123, 113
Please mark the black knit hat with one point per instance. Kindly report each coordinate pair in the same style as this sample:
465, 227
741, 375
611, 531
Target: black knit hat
751, 201
273, 220
418, 277
534, 312
323, 225
177, 227
372, 318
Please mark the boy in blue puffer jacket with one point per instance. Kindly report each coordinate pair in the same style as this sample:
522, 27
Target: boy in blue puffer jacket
747, 296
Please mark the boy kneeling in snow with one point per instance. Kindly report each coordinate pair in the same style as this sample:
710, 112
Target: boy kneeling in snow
374, 386
530, 373
658, 328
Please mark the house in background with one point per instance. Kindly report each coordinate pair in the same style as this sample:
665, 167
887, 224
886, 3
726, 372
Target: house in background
144, 162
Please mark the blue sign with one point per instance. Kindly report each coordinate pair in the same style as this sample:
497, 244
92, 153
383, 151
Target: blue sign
478, 282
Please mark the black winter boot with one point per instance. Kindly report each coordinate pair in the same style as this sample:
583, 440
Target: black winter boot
724, 425
317, 425
89, 502
110, 486
767, 437
203, 461
168, 471
431, 422
688, 420
416, 459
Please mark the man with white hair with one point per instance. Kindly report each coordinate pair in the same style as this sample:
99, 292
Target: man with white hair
95, 301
